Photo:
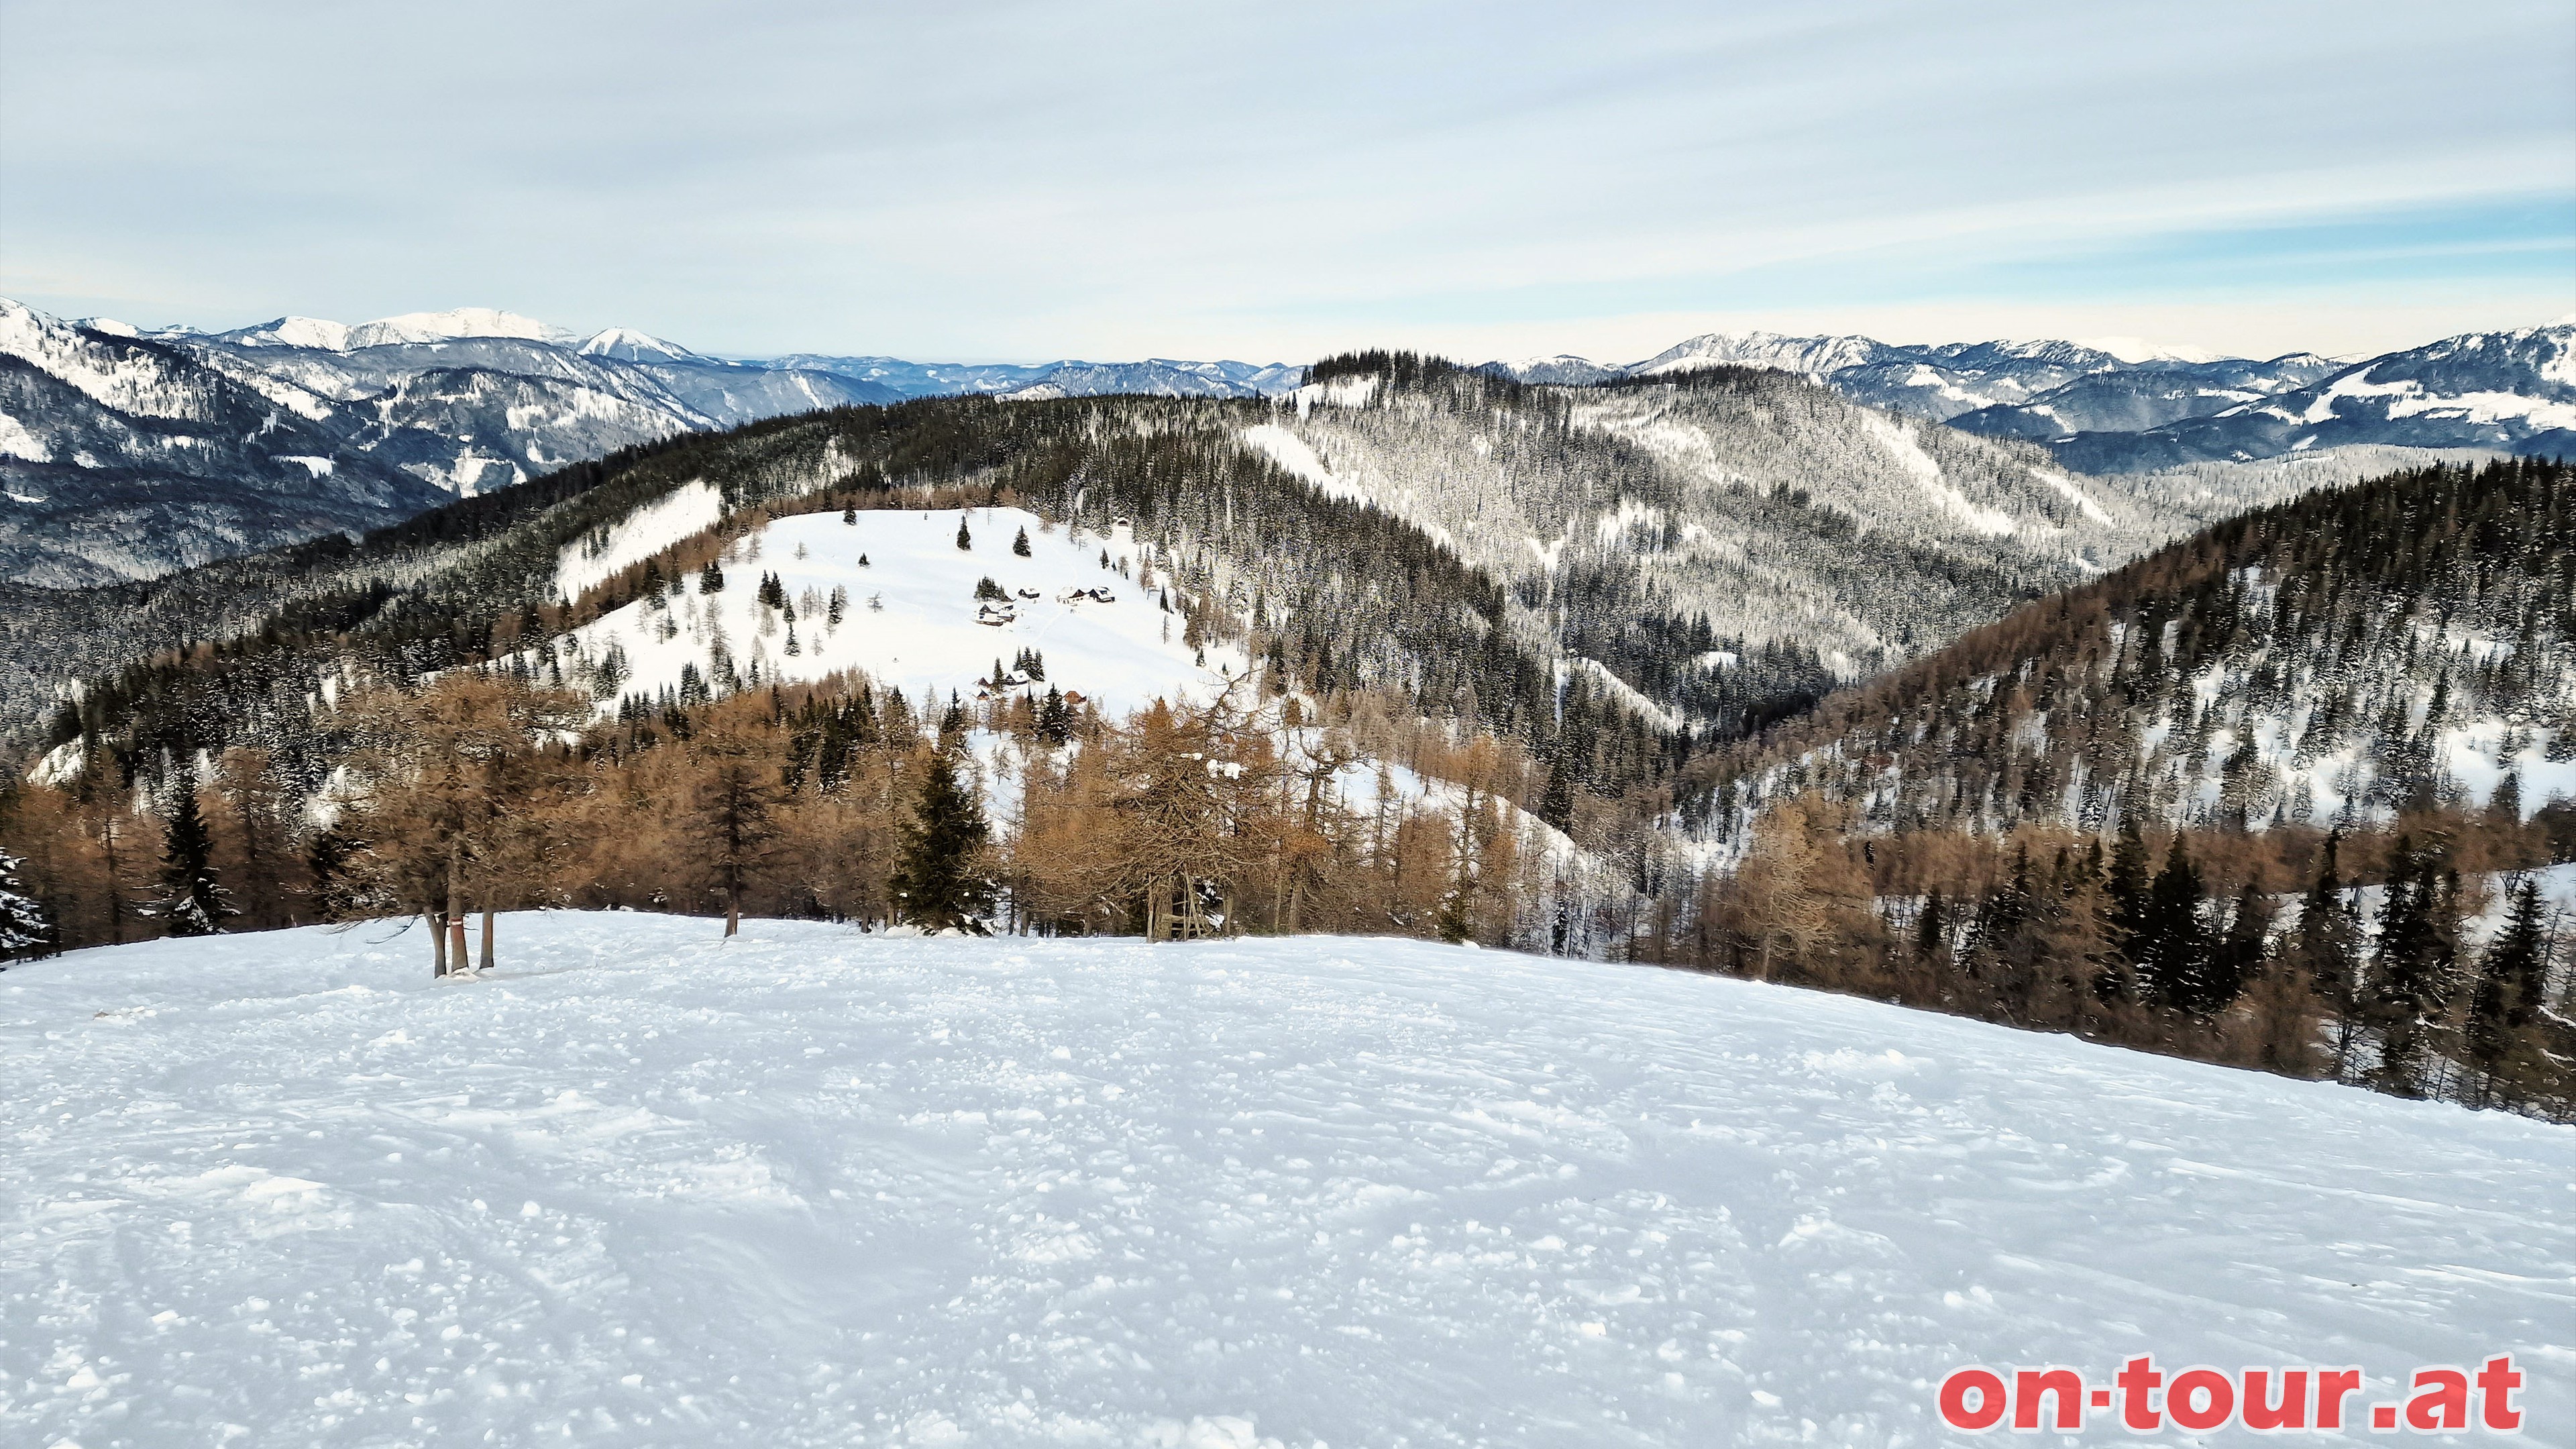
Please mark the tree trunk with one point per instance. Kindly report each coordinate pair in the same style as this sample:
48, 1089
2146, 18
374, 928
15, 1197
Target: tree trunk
437, 944
487, 938
115, 881
733, 912
456, 906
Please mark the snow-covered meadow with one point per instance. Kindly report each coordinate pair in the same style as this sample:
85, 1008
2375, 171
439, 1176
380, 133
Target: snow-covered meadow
909, 617
813, 1187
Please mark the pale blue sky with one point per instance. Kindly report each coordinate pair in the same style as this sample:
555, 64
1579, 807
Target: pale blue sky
1111, 181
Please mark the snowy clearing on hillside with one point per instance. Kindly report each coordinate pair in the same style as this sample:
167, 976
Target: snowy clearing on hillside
909, 615
814, 1187
693, 507
1898, 439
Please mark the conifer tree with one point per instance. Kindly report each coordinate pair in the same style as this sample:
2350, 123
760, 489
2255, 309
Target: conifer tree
2126, 890
2409, 972
1020, 545
2506, 998
26, 927
1055, 718
965, 540
1556, 798
737, 799
192, 901
2327, 949
2238, 958
2173, 947
327, 861
939, 877
711, 578
1932, 929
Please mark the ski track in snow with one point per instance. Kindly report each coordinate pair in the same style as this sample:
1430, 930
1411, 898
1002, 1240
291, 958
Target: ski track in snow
816, 1187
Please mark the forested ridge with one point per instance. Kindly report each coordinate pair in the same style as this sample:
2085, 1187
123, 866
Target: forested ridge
2083, 817
2324, 661
2261, 797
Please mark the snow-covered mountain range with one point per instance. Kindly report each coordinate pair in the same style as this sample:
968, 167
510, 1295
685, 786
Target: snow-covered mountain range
2510, 392
2118, 406
1154, 377
128, 452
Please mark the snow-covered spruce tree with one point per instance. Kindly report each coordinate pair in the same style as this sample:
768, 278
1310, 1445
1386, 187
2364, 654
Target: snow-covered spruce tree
2411, 970
940, 879
965, 540
1020, 545
2505, 1005
26, 927
2327, 948
192, 902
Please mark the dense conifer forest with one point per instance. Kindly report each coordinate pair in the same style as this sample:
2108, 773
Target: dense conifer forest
2242, 799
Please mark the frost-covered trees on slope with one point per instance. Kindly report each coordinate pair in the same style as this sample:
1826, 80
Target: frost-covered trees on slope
26, 926
2340, 659
192, 901
1755, 501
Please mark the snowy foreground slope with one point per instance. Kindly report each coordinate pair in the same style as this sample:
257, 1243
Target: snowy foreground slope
641, 1188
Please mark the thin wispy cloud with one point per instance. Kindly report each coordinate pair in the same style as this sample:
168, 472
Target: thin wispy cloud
1122, 180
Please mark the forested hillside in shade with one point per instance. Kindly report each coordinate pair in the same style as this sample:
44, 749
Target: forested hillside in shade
2332, 661
2146, 810
1756, 500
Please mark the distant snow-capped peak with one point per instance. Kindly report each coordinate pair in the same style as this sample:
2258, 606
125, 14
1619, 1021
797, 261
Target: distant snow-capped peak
1815, 356
2139, 349
316, 332
329, 336
443, 326
625, 344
